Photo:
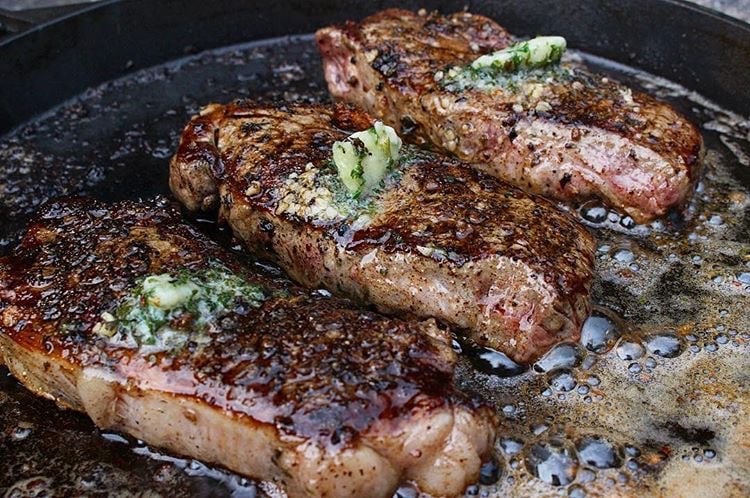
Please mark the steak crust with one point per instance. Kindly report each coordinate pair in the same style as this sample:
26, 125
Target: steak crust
303, 389
440, 240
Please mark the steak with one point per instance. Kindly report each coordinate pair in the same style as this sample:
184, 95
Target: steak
133, 317
438, 240
562, 132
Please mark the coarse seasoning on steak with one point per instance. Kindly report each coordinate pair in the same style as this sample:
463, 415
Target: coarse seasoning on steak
559, 131
128, 314
436, 239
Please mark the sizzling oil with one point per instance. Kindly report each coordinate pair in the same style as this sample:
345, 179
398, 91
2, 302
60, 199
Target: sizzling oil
654, 399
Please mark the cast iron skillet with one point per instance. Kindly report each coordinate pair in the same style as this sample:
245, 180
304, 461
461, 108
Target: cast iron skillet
113, 141
696, 47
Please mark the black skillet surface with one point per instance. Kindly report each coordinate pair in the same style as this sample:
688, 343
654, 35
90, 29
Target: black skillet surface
113, 141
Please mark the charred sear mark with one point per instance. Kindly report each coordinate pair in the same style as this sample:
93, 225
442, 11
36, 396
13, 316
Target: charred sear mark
387, 61
408, 125
697, 435
250, 127
565, 179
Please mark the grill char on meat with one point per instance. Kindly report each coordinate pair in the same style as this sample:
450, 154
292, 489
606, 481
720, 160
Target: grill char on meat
442, 241
569, 138
304, 390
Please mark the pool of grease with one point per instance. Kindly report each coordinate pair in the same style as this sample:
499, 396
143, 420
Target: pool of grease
654, 399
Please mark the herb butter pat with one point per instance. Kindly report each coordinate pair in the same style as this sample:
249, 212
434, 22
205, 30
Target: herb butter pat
365, 157
166, 292
537, 52
163, 312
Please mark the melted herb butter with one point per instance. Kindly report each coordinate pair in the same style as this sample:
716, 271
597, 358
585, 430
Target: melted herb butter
458, 79
532, 61
318, 195
537, 52
163, 312
307, 196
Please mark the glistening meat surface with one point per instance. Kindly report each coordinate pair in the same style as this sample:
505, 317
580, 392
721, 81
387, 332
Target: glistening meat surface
273, 382
438, 240
564, 133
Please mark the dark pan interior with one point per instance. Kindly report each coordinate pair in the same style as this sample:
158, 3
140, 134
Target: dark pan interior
674, 424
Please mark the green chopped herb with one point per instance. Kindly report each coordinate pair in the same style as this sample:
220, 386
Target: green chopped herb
535, 60
365, 157
165, 311
537, 52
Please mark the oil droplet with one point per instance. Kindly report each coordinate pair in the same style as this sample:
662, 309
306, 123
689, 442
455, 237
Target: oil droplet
632, 451
552, 462
491, 362
650, 362
322, 293
586, 475
598, 452
511, 446
565, 355
628, 350
598, 333
595, 214
664, 345
634, 368
716, 220
111, 436
627, 222
576, 491
20, 433
744, 278
489, 473
588, 362
456, 346
624, 256
709, 453
539, 429
406, 492
563, 381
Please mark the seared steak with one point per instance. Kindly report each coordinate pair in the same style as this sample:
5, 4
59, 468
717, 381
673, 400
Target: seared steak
129, 315
438, 240
561, 132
